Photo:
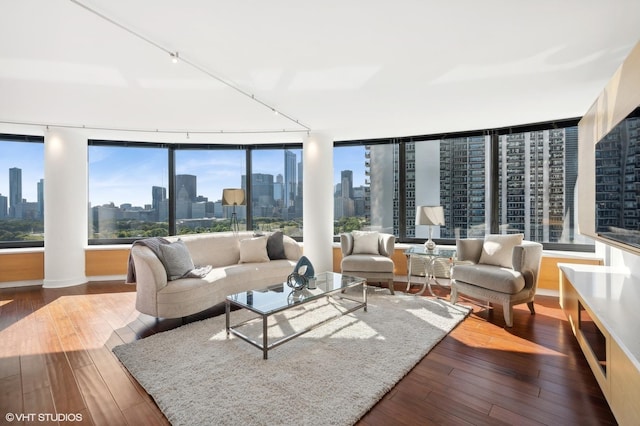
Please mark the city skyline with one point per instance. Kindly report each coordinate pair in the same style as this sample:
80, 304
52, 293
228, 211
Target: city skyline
127, 175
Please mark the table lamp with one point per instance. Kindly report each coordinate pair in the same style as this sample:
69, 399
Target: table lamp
432, 216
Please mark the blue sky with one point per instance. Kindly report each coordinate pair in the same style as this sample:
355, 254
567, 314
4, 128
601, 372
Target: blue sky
26, 156
126, 175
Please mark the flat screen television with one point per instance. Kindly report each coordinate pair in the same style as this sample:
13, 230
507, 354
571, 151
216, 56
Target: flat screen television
618, 182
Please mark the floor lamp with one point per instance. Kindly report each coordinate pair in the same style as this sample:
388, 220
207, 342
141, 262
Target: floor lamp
432, 216
233, 197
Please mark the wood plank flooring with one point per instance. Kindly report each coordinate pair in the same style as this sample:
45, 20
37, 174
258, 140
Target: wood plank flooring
56, 360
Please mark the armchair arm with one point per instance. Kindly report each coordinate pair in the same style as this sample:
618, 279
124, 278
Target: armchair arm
469, 249
346, 244
386, 244
526, 259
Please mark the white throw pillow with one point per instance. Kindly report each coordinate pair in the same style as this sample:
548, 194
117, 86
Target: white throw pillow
498, 249
365, 242
253, 250
176, 259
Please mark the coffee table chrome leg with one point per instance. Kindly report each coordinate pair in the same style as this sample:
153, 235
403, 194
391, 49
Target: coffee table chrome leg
364, 295
265, 340
227, 311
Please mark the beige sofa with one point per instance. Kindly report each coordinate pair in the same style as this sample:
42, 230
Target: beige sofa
163, 298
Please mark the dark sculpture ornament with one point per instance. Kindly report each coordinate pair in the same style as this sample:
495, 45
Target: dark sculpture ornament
301, 274
304, 267
297, 281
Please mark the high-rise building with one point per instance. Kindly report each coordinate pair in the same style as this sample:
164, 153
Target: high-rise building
41, 199
4, 206
189, 184
262, 194
278, 191
346, 180
15, 189
462, 187
382, 174
158, 194
289, 178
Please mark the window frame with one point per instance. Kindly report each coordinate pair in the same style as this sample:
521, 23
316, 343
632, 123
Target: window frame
10, 137
494, 133
172, 149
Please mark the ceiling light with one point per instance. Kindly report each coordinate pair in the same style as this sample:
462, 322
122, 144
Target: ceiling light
174, 57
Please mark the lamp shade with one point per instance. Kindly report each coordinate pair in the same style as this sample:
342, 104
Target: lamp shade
430, 215
233, 197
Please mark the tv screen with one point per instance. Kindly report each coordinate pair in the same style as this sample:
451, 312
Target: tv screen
618, 182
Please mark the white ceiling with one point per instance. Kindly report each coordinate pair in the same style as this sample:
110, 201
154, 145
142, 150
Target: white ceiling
350, 68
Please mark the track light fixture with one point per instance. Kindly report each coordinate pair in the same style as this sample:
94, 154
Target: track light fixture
175, 57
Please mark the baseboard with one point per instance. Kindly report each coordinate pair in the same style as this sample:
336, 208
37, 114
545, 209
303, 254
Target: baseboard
547, 292
12, 284
107, 278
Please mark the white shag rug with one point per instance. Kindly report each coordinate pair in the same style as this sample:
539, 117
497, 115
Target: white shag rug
329, 376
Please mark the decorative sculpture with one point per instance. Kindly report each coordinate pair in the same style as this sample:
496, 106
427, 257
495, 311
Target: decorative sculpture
301, 274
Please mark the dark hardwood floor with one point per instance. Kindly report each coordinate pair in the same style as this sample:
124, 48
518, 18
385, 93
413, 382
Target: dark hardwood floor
56, 360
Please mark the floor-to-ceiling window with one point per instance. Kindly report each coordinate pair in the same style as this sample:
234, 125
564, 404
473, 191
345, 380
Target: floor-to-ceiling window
276, 190
448, 172
127, 191
537, 172
21, 190
366, 187
507, 180
200, 177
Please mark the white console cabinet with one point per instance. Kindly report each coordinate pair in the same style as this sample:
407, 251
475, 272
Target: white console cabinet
602, 305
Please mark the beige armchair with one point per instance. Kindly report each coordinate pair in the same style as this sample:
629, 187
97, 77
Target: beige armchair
502, 271
368, 255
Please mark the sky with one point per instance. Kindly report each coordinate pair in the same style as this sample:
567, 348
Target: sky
26, 156
126, 175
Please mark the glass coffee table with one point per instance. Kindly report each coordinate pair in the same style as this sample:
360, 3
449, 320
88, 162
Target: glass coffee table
280, 297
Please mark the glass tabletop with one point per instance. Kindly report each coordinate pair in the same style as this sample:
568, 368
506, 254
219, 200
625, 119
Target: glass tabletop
437, 252
280, 296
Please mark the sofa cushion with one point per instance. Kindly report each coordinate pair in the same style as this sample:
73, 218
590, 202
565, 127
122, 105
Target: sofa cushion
498, 249
275, 246
504, 280
365, 242
367, 263
254, 250
176, 259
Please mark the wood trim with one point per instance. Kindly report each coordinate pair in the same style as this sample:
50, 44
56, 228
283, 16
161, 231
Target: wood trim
21, 266
106, 262
549, 272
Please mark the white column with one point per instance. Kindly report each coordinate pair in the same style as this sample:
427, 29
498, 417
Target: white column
317, 154
65, 207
